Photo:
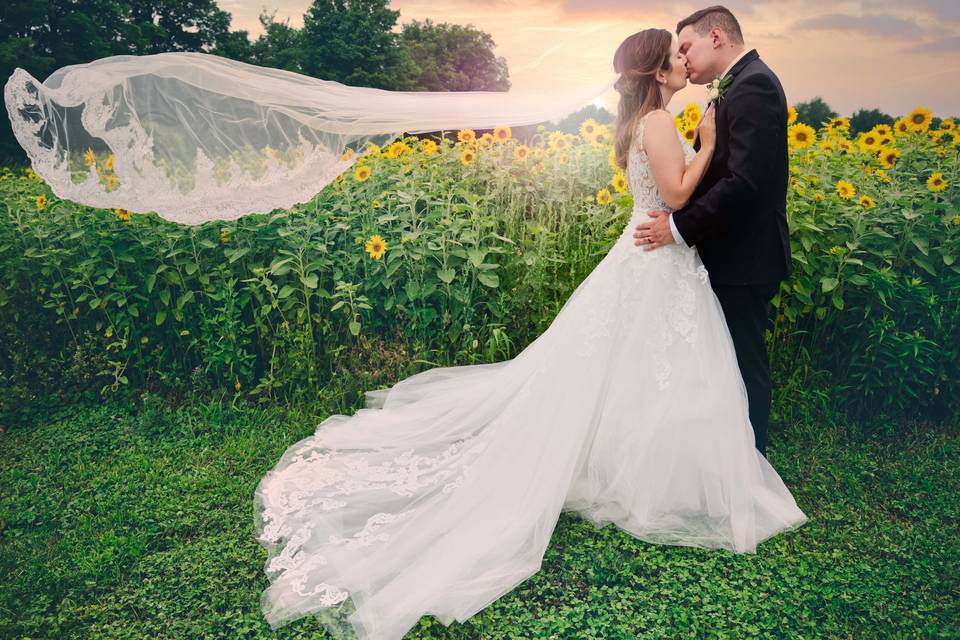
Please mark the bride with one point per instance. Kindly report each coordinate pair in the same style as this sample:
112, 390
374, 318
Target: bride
441, 495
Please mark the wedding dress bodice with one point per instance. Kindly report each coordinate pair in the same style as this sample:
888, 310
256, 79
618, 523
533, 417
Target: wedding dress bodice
646, 196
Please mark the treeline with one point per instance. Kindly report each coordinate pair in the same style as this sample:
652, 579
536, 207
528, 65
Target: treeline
816, 112
350, 41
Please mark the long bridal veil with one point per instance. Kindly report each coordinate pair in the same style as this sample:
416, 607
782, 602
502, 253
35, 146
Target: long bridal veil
197, 137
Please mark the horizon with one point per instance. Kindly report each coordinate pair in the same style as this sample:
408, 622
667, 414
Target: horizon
924, 37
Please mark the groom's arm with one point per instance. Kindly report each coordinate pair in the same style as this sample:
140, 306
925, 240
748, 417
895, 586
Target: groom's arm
754, 119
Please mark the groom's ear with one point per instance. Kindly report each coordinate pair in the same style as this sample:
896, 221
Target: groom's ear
717, 37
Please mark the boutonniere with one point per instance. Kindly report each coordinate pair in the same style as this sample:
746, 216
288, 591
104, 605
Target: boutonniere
716, 88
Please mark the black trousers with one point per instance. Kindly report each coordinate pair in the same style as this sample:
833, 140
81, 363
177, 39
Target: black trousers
747, 312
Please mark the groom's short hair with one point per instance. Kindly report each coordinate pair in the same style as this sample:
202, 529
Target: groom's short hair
717, 16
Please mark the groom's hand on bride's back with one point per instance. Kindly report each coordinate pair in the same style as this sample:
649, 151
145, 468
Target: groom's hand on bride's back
654, 234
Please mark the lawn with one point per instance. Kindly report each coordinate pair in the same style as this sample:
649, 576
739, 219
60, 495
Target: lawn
123, 520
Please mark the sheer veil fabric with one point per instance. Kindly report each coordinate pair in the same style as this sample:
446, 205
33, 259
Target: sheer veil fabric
197, 137
441, 495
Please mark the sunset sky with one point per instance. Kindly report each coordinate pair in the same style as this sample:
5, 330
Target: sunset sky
888, 54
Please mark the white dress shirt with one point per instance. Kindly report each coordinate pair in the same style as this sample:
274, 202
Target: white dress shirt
673, 226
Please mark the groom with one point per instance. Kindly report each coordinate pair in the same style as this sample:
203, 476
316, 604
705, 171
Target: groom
736, 217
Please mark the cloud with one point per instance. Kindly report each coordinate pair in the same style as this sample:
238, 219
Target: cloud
943, 9
950, 44
877, 25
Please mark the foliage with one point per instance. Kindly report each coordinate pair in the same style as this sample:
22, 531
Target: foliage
467, 250
866, 119
133, 521
814, 112
352, 41
452, 57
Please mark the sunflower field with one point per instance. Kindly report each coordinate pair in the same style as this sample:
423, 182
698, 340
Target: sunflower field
461, 250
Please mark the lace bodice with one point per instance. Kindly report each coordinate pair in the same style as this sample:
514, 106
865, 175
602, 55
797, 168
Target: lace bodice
646, 196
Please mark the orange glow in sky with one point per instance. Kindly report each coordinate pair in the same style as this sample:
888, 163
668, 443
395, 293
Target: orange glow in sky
886, 54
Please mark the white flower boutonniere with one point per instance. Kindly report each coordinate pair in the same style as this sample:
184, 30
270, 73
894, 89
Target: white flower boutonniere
716, 88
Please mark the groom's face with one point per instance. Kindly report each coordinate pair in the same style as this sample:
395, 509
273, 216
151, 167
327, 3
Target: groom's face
701, 54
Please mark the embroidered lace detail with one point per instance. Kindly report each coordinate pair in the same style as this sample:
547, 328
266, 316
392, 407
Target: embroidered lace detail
369, 534
315, 479
679, 267
213, 189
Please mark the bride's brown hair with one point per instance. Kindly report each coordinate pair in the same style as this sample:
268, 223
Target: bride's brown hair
637, 60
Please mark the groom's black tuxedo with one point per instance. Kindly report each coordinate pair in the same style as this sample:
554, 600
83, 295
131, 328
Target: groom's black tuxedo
737, 219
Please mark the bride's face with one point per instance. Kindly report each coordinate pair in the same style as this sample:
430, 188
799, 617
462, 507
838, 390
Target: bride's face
676, 77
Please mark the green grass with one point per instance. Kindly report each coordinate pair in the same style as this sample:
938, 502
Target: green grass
126, 522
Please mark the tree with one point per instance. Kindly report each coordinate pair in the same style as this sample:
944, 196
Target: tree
280, 46
815, 113
178, 25
571, 124
864, 120
41, 36
452, 57
352, 41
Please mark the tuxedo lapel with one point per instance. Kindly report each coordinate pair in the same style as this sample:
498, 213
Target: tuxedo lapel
749, 57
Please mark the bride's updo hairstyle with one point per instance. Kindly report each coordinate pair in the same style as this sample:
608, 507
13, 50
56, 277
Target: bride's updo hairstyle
637, 60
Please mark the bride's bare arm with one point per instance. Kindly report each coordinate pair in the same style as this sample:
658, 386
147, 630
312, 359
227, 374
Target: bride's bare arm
675, 179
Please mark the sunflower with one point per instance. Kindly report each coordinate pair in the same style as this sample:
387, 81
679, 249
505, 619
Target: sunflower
868, 142
521, 152
396, 149
601, 136
692, 113
112, 183
362, 173
563, 158
883, 130
889, 156
89, 157
680, 121
467, 157
588, 127
919, 119
557, 141
502, 134
901, 127
801, 135
376, 247
224, 236
867, 202
956, 136
817, 196
845, 146
791, 115
428, 146
619, 182
845, 190
108, 162
936, 182
838, 125
948, 124
882, 176
827, 147
41, 201
690, 133
123, 214
466, 136
938, 135
604, 197
346, 155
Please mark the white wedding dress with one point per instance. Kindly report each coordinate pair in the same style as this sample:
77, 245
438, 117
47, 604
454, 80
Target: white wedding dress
442, 495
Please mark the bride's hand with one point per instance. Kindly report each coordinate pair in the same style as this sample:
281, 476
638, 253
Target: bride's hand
707, 129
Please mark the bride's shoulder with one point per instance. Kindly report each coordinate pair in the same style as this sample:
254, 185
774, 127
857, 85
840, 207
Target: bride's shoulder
659, 118
659, 122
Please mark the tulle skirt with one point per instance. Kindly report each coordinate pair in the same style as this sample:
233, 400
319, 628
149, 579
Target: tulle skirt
442, 494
